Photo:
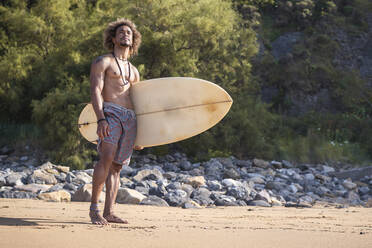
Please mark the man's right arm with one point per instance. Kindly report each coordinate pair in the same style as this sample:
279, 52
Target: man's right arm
97, 77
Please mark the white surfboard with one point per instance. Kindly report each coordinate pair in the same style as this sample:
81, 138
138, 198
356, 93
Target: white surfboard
168, 110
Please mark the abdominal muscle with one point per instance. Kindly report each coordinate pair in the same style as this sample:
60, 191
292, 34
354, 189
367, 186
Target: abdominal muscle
115, 92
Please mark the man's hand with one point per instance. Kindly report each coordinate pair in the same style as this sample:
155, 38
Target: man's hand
102, 129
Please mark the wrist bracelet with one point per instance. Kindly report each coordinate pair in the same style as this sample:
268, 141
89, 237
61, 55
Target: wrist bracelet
103, 119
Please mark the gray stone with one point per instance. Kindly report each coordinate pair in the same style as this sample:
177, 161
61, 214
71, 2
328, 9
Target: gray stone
287, 164
159, 191
231, 173
34, 188
309, 177
187, 188
84, 194
17, 194
142, 190
202, 196
129, 196
349, 185
275, 185
243, 163
364, 190
190, 205
42, 177
186, 165
261, 163
14, 179
214, 185
238, 192
174, 186
154, 174
82, 178
176, 198
127, 171
258, 180
154, 201
263, 195
196, 181
170, 167
353, 174
259, 203
2, 181
353, 198
276, 164
328, 169
228, 182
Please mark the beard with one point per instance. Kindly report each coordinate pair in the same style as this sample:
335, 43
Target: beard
125, 44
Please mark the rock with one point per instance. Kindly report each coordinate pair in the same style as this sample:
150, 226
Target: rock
56, 196
261, 163
328, 169
2, 181
278, 186
42, 177
231, 173
213, 169
129, 196
259, 203
153, 200
258, 180
263, 195
84, 194
127, 171
353, 198
159, 191
187, 188
34, 188
309, 177
202, 196
287, 164
196, 181
6, 150
297, 205
153, 174
349, 184
225, 200
364, 190
239, 192
142, 190
14, 179
191, 205
228, 182
353, 174
174, 186
214, 185
17, 194
176, 198
276, 164
82, 178
64, 169
186, 165
369, 203
244, 163
276, 202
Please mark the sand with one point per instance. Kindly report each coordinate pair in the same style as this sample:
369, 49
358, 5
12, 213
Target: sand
35, 223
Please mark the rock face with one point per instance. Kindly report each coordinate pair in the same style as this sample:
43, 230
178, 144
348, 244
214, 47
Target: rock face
174, 181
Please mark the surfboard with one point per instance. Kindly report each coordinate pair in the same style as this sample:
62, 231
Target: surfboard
168, 110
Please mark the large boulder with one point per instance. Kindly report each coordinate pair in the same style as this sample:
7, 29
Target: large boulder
56, 196
129, 196
42, 177
84, 194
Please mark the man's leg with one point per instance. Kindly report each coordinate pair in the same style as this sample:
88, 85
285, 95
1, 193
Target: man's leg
112, 187
101, 171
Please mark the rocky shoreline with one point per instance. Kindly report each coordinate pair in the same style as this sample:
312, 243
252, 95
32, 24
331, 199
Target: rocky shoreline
172, 180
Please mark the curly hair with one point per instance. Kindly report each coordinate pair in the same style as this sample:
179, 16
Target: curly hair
110, 33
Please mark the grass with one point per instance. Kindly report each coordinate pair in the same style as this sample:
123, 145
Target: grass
19, 133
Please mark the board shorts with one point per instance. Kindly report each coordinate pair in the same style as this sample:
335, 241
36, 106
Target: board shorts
122, 131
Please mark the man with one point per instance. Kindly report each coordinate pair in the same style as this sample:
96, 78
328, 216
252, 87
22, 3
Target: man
111, 77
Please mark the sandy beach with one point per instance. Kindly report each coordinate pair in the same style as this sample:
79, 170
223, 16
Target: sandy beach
35, 223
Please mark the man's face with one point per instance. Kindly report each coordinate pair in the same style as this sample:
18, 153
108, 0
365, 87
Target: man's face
123, 36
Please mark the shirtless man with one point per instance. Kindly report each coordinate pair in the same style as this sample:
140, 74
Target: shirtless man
111, 77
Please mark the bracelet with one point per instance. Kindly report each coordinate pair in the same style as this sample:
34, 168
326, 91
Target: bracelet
103, 119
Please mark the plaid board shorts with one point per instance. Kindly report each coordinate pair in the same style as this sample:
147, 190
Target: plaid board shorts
122, 131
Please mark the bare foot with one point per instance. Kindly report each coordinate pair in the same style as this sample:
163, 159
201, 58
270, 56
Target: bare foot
96, 218
114, 219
